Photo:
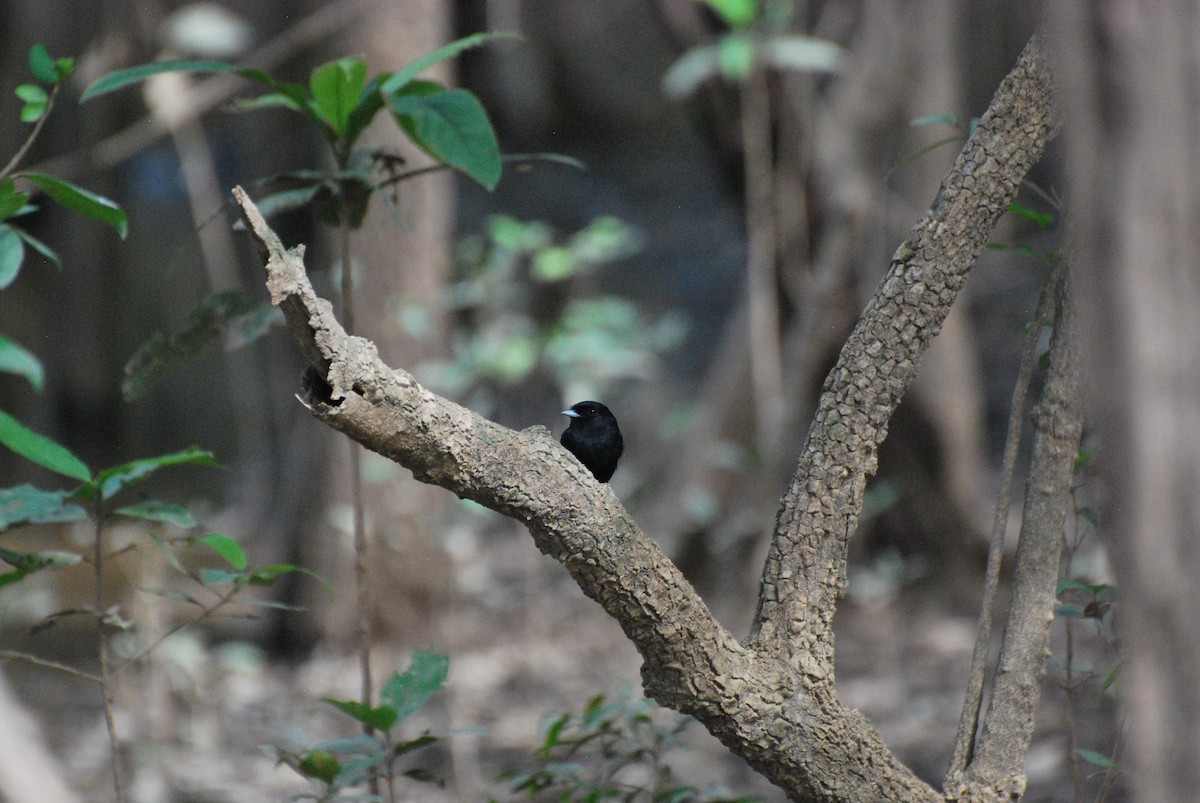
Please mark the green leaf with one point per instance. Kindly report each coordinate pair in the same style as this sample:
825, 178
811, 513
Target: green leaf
83, 201
28, 563
735, 13
287, 200
120, 79
1112, 677
1098, 759
336, 90
217, 577
41, 65
12, 254
451, 126
803, 54
271, 100
226, 547
12, 200
1082, 458
41, 450
176, 596
735, 54
112, 480
36, 102
553, 264
690, 70
158, 511
403, 76
1068, 612
946, 118
381, 718
364, 111
1021, 250
17, 360
407, 692
159, 356
64, 68
423, 740
269, 574
1040, 219
553, 734
320, 764
39, 246
25, 504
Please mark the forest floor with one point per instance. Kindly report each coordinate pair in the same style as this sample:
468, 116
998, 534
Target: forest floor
525, 645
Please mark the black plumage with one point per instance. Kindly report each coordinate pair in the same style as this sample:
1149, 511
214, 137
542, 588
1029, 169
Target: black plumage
594, 438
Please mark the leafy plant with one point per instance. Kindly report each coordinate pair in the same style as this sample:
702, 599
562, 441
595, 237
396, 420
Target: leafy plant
95, 496
1096, 603
448, 124
755, 39
612, 750
341, 767
517, 316
17, 190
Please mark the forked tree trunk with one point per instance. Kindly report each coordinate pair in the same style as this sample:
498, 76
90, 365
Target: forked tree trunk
770, 697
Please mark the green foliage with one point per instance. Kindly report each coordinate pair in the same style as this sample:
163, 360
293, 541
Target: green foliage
46, 70
88, 203
612, 750
1043, 220
27, 563
15, 359
341, 766
26, 504
735, 13
756, 39
448, 124
41, 450
517, 315
38, 100
1081, 601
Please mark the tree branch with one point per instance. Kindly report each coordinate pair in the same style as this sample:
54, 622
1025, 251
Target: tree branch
807, 743
771, 701
1008, 728
805, 572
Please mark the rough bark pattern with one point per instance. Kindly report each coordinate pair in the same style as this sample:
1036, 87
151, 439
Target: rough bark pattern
997, 770
805, 572
805, 742
774, 702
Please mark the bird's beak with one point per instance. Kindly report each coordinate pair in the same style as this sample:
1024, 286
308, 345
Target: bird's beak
570, 413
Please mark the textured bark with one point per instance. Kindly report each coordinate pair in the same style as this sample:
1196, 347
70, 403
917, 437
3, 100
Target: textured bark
772, 700
996, 771
802, 740
805, 572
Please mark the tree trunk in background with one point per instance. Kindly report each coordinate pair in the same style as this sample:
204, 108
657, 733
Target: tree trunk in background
1128, 76
402, 249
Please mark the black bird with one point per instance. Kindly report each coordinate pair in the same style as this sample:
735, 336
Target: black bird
594, 437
